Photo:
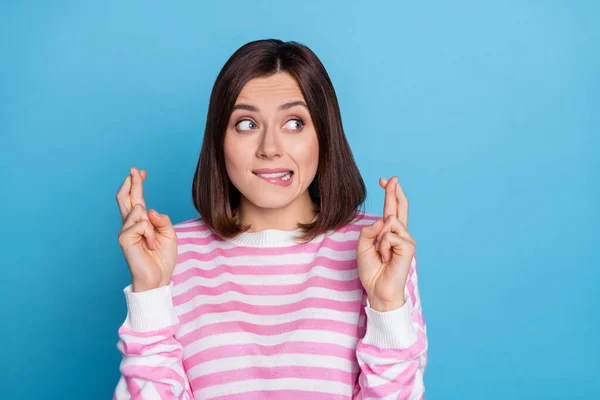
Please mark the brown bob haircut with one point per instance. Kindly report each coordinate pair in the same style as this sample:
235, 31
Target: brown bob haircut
338, 190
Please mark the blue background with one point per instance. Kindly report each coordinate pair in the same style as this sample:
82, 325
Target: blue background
489, 114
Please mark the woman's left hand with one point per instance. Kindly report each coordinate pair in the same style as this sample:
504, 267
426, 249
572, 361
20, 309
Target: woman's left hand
385, 250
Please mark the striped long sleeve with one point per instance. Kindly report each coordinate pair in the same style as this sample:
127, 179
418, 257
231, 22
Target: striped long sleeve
151, 367
260, 316
393, 353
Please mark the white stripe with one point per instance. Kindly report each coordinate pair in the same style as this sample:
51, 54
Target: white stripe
310, 385
160, 348
121, 391
148, 360
262, 260
336, 236
261, 300
200, 222
275, 258
297, 360
147, 389
274, 280
193, 222
241, 338
127, 338
266, 320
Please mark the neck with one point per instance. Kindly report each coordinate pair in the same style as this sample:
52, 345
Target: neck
286, 218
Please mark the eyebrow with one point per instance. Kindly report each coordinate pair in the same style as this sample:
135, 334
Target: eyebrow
284, 106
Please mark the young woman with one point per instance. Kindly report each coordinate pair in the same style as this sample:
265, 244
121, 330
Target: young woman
283, 288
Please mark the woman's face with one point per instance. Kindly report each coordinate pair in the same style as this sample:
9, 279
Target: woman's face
271, 146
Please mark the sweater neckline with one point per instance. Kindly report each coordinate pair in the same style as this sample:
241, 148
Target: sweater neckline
266, 238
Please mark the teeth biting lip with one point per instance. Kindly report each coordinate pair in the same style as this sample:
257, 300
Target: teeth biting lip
282, 175
274, 174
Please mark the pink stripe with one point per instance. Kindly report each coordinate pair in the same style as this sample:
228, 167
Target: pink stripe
267, 290
417, 317
198, 227
375, 369
356, 228
368, 217
312, 302
282, 394
408, 387
164, 390
132, 388
136, 348
199, 241
241, 251
266, 270
153, 373
404, 381
411, 290
356, 393
242, 374
268, 330
240, 350
168, 331
395, 354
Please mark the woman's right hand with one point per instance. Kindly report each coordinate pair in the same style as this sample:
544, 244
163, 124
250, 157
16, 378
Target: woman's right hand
148, 239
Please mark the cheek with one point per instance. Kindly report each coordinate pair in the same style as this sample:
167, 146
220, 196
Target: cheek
234, 158
314, 153
307, 155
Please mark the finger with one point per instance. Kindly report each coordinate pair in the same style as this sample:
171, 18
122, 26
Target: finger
370, 232
141, 230
123, 198
137, 214
367, 236
392, 243
402, 205
390, 205
162, 223
402, 211
394, 225
137, 191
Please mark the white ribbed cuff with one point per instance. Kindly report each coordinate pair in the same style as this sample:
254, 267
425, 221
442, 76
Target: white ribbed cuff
390, 329
150, 310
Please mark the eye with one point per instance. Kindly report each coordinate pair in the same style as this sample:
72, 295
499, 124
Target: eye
294, 124
245, 125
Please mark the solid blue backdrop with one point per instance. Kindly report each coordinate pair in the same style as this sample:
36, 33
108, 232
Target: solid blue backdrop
487, 112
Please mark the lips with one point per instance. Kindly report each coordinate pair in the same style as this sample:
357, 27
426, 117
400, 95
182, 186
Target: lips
262, 171
277, 176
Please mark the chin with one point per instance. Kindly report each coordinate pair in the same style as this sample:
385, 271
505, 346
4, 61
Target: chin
271, 202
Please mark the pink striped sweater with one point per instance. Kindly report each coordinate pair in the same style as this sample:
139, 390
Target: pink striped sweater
263, 317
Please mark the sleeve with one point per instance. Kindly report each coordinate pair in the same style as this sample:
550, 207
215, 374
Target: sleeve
152, 363
392, 355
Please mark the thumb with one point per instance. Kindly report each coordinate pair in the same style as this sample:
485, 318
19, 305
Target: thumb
370, 232
161, 222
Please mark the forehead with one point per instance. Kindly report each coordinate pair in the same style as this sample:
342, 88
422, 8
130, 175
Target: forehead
271, 90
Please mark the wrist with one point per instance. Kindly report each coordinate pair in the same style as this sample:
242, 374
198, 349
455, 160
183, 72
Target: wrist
137, 287
385, 306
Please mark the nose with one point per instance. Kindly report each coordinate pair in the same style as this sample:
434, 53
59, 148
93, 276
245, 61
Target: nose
270, 145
